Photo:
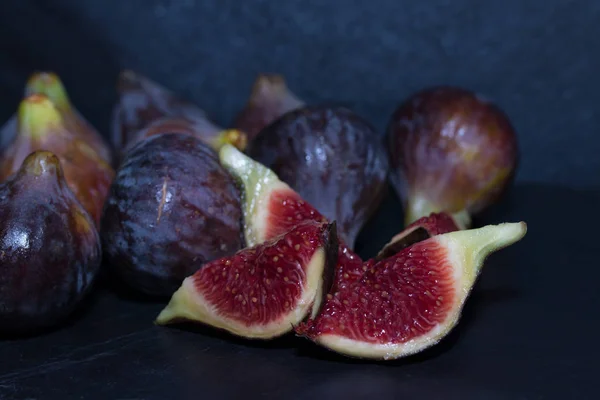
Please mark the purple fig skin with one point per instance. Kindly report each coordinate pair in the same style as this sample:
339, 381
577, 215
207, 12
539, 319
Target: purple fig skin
450, 150
143, 102
172, 207
49, 248
333, 158
270, 99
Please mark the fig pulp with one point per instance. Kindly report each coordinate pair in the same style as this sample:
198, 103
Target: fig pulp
172, 207
270, 99
41, 126
332, 158
261, 291
451, 151
49, 247
409, 301
142, 102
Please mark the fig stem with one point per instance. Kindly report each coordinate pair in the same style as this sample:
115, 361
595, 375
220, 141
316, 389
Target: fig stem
234, 137
37, 114
50, 85
418, 207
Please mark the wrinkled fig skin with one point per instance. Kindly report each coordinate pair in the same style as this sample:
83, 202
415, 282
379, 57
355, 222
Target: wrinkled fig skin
332, 158
270, 99
450, 149
40, 126
143, 101
49, 247
172, 207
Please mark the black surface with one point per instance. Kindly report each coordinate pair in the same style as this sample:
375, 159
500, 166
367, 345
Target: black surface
529, 330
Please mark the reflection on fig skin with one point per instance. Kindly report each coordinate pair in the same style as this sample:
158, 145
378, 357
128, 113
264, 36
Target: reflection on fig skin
450, 150
49, 247
332, 158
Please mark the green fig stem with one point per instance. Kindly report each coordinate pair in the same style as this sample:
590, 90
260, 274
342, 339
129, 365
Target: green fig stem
257, 181
471, 247
37, 115
418, 207
234, 137
49, 84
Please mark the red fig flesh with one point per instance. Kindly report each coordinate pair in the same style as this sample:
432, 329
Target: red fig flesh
450, 150
270, 99
143, 102
41, 126
261, 291
409, 301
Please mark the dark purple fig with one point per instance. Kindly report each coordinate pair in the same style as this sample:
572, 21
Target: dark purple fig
270, 99
450, 150
41, 126
49, 247
332, 158
172, 207
143, 101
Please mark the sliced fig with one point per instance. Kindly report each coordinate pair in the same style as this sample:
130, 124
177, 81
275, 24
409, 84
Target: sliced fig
49, 247
143, 102
172, 207
409, 301
262, 291
50, 85
270, 99
41, 126
450, 150
332, 158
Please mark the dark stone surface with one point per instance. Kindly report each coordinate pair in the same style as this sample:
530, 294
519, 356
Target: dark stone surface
529, 330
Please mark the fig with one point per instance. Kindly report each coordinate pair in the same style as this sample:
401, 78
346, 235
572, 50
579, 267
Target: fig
260, 292
172, 207
450, 150
50, 85
269, 99
143, 101
49, 247
41, 126
410, 301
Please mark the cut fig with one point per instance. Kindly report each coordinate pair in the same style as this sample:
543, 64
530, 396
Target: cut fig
260, 292
409, 301
270, 99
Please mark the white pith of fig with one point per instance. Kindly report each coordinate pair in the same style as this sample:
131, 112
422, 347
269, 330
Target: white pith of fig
260, 292
410, 301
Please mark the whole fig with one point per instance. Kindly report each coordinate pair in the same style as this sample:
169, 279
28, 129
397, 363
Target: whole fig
49, 247
172, 208
332, 157
450, 150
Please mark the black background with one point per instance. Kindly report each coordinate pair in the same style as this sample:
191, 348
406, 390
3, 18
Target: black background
529, 331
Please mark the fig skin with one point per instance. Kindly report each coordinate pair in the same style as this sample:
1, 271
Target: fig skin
49, 248
450, 150
41, 126
332, 158
269, 99
172, 207
143, 101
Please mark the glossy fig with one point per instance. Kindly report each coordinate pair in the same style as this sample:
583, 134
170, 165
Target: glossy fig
450, 150
41, 126
332, 158
49, 247
143, 101
270, 98
172, 208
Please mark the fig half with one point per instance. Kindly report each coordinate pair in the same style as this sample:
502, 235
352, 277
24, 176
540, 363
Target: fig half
49, 247
41, 126
332, 158
410, 301
172, 207
260, 292
450, 150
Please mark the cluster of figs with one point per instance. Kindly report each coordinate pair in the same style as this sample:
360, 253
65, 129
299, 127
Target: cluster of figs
251, 229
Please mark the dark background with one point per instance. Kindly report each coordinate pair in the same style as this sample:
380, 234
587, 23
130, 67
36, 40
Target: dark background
529, 331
